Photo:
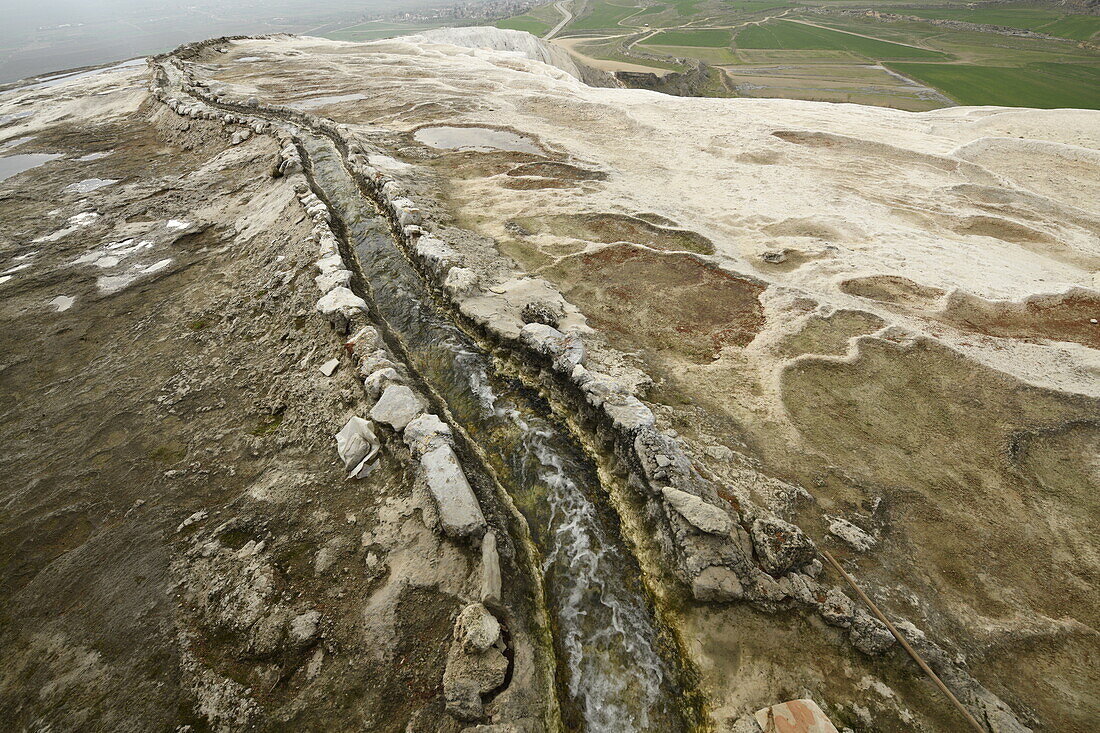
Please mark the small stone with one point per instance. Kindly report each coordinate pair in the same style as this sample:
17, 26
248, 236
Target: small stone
340, 306
356, 444
869, 635
379, 380
397, 407
542, 312
719, 452
463, 700
543, 339
330, 263
476, 628
459, 512
329, 367
468, 676
801, 587
334, 279
460, 282
426, 433
699, 513
813, 568
628, 414
305, 627
314, 666
375, 360
770, 588
365, 340
850, 534
196, 517
490, 570
837, 609
268, 633
781, 546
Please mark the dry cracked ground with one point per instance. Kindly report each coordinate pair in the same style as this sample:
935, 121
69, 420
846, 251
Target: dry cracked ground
881, 326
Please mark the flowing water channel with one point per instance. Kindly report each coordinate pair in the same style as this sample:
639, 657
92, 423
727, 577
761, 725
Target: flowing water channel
618, 674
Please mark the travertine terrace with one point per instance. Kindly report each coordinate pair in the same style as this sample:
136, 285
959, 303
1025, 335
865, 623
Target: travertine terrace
586, 350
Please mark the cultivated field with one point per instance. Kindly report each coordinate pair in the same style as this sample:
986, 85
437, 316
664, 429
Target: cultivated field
793, 35
895, 54
1036, 85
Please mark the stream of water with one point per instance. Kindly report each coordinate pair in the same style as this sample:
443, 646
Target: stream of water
616, 675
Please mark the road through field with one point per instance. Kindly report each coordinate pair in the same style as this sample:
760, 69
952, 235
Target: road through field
853, 33
567, 16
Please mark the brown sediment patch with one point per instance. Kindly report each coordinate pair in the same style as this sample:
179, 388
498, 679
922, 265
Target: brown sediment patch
984, 487
871, 149
665, 302
469, 164
533, 183
934, 432
804, 227
1003, 229
661, 221
563, 171
809, 139
830, 334
611, 228
1052, 459
760, 157
1061, 317
891, 289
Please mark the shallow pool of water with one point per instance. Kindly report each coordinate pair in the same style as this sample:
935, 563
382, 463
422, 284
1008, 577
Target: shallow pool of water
15, 142
90, 184
16, 164
483, 139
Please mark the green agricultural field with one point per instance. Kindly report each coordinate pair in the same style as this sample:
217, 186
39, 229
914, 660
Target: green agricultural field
603, 15
537, 21
1077, 27
819, 49
774, 56
1045, 85
783, 34
709, 38
686, 8
534, 26
744, 7
611, 52
1042, 20
715, 56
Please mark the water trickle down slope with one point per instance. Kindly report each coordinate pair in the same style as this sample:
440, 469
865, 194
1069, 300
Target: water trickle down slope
606, 633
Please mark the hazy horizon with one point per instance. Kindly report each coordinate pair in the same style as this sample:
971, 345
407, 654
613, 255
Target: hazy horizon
65, 34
